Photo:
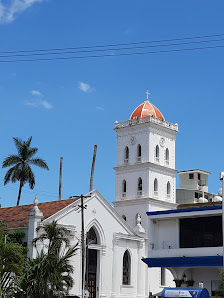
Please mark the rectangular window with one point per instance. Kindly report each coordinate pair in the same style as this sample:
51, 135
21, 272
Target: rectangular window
199, 176
191, 176
201, 232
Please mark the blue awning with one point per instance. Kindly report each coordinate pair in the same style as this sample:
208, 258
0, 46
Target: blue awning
207, 261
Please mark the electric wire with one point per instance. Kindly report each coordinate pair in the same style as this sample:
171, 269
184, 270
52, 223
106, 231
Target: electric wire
112, 49
111, 55
111, 45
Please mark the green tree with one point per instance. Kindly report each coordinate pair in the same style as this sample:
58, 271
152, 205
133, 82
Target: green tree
50, 273
12, 259
21, 170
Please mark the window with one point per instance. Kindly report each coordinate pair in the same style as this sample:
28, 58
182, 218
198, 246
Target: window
167, 156
199, 176
157, 153
201, 232
191, 176
124, 188
126, 268
126, 155
124, 217
139, 153
168, 190
139, 192
91, 237
155, 187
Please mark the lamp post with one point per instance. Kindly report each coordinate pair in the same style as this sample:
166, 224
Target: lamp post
222, 179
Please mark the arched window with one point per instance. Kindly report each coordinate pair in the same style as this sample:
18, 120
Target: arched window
155, 187
126, 155
126, 268
139, 153
124, 217
139, 192
157, 153
91, 236
124, 188
167, 156
168, 190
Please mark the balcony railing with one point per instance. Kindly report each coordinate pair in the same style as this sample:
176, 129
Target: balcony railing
123, 194
139, 159
126, 161
146, 120
139, 193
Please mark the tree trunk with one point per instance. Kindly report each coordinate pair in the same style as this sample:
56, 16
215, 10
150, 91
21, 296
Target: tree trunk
20, 189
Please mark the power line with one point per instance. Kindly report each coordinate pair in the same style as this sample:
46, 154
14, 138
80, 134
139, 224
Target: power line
112, 49
111, 45
111, 55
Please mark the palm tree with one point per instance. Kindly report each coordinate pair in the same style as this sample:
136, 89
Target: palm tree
21, 170
50, 273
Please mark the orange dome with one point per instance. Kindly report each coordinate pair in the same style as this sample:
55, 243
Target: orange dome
147, 109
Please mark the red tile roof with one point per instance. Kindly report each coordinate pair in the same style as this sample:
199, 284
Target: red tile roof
17, 217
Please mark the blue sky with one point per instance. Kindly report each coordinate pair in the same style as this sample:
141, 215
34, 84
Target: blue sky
70, 105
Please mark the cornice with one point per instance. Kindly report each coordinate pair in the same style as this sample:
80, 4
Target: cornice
155, 202
144, 165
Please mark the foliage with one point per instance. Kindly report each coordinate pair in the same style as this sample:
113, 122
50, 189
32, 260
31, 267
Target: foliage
12, 259
220, 291
49, 274
21, 170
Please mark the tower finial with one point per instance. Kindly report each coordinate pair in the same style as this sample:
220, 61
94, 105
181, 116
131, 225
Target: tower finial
147, 94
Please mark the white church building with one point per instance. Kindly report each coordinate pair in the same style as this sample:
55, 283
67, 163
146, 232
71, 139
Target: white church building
119, 234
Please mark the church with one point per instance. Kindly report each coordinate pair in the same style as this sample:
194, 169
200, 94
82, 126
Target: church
118, 235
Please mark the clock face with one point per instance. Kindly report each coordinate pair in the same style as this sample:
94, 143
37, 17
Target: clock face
132, 140
162, 142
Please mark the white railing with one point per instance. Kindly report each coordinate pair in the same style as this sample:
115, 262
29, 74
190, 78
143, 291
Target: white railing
168, 196
156, 193
146, 120
157, 159
139, 159
126, 161
167, 162
123, 194
139, 193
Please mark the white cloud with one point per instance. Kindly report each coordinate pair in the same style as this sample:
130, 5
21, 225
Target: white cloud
9, 9
37, 101
36, 93
84, 87
46, 105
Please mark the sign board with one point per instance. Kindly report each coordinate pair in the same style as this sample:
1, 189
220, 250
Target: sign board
181, 293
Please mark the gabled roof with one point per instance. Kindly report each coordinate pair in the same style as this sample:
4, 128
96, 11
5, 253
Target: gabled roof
17, 217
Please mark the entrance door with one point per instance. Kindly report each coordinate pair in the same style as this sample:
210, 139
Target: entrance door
91, 272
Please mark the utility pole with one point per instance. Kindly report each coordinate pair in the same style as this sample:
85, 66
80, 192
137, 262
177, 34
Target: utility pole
92, 169
60, 174
83, 251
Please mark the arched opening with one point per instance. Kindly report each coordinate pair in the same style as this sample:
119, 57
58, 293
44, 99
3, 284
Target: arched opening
168, 189
124, 188
157, 153
126, 155
92, 262
139, 153
126, 268
155, 187
139, 191
167, 156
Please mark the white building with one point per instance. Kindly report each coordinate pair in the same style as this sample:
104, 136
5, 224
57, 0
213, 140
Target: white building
188, 242
145, 182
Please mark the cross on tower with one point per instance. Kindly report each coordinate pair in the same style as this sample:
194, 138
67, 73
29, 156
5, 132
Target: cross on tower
147, 94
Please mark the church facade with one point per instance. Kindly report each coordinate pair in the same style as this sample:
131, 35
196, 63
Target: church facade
145, 182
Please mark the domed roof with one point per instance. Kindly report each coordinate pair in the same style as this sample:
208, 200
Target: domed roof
147, 109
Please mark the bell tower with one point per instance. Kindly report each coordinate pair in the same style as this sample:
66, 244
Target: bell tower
145, 171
